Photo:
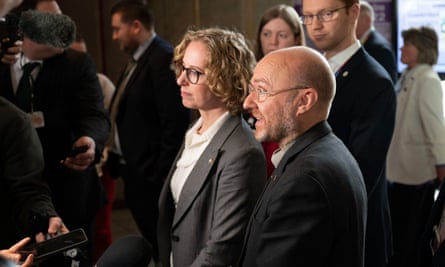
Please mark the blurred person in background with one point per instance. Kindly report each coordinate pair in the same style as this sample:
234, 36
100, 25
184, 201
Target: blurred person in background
373, 42
416, 156
363, 110
148, 120
280, 27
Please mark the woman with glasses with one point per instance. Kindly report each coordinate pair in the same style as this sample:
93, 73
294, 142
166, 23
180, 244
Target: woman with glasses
280, 27
219, 172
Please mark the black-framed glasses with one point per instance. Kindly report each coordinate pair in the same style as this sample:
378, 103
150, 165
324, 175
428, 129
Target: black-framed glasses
323, 16
262, 94
191, 74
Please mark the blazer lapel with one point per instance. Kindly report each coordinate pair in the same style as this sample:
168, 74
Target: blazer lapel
202, 169
316, 132
140, 66
305, 140
347, 70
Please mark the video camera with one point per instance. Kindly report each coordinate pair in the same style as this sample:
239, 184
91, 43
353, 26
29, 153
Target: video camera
9, 32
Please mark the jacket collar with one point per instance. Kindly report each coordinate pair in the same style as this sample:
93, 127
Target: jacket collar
200, 173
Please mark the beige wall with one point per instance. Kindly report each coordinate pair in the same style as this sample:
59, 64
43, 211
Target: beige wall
172, 19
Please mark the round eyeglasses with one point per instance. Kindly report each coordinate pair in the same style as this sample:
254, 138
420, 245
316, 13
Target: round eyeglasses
262, 94
191, 74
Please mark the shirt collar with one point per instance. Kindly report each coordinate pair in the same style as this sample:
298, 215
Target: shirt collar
141, 49
278, 154
337, 61
192, 137
365, 35
23, 60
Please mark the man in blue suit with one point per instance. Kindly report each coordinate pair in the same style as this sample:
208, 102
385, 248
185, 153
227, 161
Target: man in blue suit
147, 116
363, 110
375, 44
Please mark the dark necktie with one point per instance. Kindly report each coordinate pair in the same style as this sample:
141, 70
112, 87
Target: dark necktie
24, 90
114, 106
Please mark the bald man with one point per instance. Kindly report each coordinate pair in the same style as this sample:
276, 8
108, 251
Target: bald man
375, 44
48, 6
313, 209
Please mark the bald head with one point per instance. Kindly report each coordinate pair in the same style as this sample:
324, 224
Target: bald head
7, 5
291, 91
305, 67
50, 6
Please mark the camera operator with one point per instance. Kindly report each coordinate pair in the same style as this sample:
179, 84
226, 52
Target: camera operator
64, 99
10, 38
10, 45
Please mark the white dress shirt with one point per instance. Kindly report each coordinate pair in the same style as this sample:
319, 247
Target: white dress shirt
340, 59
194, 145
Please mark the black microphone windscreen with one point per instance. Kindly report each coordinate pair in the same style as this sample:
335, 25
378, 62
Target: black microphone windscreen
57, 30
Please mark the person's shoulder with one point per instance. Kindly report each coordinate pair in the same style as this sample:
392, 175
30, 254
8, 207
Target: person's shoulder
159, 47
240, 135
11, 114
7, 106
162, 42
240, 127
379, 38
428, 77
370, 68
159, 51
104, 80
70, 57
72, 54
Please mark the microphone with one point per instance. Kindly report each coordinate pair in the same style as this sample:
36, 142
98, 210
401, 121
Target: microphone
129, 251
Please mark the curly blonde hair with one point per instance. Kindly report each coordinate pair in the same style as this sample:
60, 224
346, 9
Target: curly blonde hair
229, 67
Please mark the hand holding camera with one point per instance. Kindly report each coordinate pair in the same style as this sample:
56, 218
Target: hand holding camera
10, 39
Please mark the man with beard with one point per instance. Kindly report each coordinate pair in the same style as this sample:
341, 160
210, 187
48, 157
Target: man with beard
147, 116
313, 209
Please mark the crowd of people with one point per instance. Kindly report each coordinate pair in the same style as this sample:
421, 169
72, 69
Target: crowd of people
298, 155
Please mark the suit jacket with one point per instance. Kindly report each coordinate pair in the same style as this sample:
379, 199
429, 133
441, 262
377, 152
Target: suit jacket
362, 116
381, 50
68, 93
418, 144
151, 119
313, 209
23, 191
208, 225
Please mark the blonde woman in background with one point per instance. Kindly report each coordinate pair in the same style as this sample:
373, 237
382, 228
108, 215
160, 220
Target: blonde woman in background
416, 156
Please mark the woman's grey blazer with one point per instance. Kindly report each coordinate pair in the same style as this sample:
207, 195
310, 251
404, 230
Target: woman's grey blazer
207, 227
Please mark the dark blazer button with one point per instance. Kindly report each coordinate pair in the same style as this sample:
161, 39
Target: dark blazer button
175, 238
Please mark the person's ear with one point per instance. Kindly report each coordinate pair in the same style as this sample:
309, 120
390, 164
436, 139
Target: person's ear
306, 100
136, 26
355, 11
